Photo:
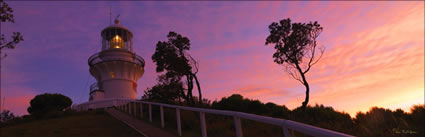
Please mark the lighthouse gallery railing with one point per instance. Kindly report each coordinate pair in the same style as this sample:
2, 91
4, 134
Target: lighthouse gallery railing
129, 106
95, 58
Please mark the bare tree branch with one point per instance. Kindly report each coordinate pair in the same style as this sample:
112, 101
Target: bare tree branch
312, 60
322, 50
195, 64
291, 70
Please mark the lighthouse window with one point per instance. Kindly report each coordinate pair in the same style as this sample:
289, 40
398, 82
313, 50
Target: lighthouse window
117, 42
112, 74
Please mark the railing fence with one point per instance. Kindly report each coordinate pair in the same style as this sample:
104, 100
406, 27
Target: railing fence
129, 106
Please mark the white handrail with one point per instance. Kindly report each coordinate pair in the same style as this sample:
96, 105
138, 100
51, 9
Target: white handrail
285, 124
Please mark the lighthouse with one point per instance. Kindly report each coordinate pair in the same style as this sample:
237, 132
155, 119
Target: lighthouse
116, 67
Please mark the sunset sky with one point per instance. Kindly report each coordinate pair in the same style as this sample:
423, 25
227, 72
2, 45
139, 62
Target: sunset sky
374, 50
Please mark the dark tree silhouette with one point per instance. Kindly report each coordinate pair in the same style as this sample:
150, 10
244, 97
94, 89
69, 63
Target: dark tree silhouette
295, 45
171, 57
6, 115
237, 102
42, 104
6, 15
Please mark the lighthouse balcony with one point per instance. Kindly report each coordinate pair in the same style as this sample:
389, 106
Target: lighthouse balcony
95, 87
116, 55
96, 92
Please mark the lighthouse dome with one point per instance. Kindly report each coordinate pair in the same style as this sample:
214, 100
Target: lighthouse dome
116, 36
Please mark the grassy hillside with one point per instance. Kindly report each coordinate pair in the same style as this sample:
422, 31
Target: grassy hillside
88, 124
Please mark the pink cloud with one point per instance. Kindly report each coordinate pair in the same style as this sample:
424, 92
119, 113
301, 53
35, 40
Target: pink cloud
369, 44
17, 99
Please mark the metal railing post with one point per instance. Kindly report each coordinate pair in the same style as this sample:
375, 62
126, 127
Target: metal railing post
141, 109
203, 124
135, 109
129, 108
286, 132
238, 126
150, 112
161, 109
179, 126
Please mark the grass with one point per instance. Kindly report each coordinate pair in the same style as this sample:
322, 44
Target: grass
87, 124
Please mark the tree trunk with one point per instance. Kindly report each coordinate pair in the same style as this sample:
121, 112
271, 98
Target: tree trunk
307, 91
199, 88
307, 87
190, 88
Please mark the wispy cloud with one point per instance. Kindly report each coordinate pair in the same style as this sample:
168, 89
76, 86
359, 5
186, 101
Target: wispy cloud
374, 49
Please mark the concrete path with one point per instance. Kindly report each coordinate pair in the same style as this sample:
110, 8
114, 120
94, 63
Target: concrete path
140, 126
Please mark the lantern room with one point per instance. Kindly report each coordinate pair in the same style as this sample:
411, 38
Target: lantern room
116, 68
117, 36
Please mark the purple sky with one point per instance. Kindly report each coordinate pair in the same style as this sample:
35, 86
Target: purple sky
374, 50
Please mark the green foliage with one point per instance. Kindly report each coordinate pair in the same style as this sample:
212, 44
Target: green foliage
48, 105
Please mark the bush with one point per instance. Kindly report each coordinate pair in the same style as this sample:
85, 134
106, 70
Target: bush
6, 115
416, 119
324, 117
50, 105
168, 93
237, 103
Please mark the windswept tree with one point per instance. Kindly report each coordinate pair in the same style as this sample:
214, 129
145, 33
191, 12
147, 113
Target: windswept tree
295, 45
172, 58
6, 15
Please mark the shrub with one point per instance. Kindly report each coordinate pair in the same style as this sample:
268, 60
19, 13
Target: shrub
324, 117
48, 105
6, 115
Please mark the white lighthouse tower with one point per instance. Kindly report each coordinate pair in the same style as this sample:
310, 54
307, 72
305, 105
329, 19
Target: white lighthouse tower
116, 67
